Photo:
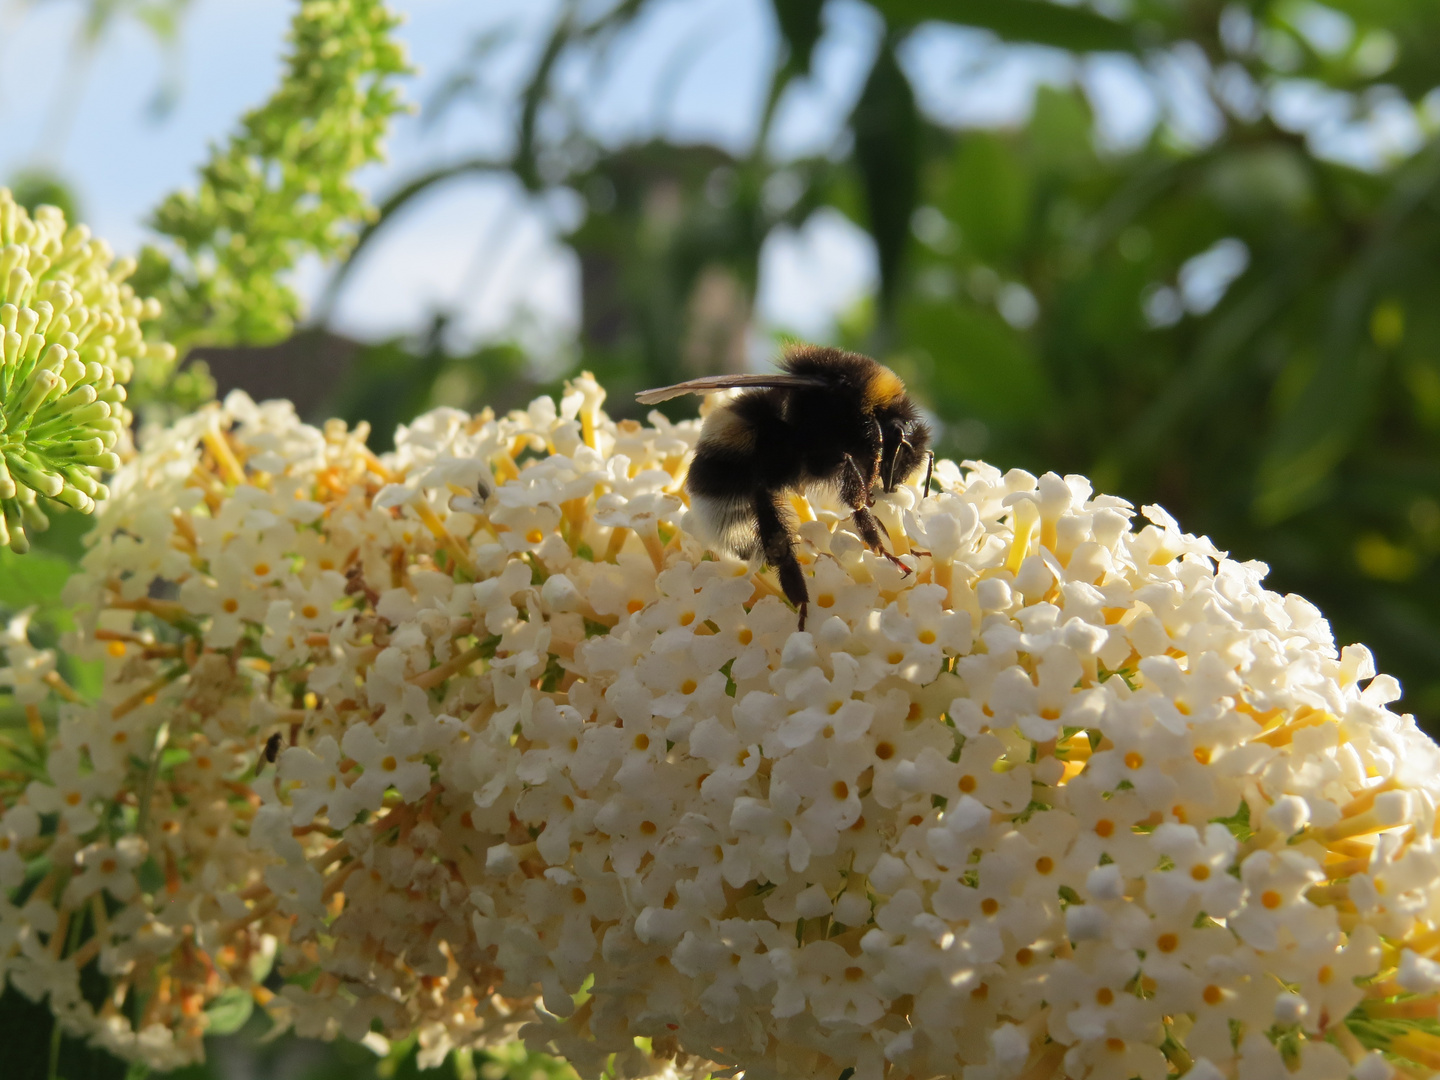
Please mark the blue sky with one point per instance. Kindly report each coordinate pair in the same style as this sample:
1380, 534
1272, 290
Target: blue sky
692, 69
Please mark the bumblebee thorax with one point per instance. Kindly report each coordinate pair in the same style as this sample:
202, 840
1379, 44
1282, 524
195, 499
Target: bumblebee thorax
883, 389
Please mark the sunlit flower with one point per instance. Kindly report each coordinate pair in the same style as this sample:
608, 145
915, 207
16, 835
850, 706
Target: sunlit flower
474, 740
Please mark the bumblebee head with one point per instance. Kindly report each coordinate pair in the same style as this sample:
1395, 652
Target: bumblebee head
905, 442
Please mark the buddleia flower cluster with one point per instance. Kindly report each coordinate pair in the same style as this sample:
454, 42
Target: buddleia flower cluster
1077, 797
71, 335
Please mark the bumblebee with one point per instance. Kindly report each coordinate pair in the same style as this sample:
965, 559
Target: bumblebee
828, 418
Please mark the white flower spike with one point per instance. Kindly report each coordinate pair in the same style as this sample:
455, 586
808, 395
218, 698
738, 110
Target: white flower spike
1077, 798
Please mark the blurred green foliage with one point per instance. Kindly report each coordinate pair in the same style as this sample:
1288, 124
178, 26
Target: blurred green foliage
42, 187
1232, 324
1286, 414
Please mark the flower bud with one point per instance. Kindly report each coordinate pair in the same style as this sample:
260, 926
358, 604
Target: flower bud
75, 499
33, 475
40, 387
69, 336
1290, 1009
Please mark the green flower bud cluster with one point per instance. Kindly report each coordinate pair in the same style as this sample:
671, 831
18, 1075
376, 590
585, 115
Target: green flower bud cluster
282, 186
71, 338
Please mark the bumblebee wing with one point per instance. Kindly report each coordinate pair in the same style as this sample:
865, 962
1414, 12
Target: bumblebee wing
726, 382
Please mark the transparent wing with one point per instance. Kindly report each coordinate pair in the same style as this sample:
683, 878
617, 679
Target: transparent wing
726, 382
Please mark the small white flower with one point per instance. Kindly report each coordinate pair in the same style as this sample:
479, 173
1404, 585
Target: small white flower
26, 667
105, 867
1418, 974
72, 791
18, 824
387, 763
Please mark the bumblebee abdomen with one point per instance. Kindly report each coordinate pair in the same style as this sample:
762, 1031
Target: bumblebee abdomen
728, 431
746, 445
744, 449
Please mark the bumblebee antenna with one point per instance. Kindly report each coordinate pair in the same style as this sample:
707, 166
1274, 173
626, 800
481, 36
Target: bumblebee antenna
890, 479
929, 468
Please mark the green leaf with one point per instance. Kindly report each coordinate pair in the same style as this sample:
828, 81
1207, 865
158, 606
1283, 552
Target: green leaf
1413, 30
1317, 431
150, 876
1238, 823
1061, 130
33, 580
1220, 350
800, 27
887, 129
1035, 21
262, 961
228, 1012
988, 197
982, 369
1321, 428
87, 677
1265, 181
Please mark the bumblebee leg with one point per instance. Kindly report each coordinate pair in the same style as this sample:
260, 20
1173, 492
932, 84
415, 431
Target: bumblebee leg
855, 494
779, 551
854, 485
